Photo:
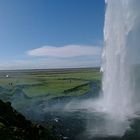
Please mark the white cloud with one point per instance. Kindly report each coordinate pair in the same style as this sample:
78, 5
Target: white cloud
70, 56
66, 51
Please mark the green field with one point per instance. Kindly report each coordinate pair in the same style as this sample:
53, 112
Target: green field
50, 83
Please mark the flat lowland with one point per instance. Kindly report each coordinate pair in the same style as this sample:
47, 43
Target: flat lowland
48, 83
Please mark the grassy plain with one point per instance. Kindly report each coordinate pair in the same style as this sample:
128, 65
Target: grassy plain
51, 83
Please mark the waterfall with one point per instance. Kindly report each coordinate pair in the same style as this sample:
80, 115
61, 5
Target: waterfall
120, 96
119, 101
120, 55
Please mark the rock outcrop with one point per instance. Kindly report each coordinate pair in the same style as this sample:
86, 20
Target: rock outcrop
14, 126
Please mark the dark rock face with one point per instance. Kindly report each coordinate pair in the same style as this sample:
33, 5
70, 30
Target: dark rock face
14, 126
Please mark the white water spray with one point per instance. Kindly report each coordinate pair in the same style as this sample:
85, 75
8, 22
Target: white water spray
120, 99
121, 91
120, 54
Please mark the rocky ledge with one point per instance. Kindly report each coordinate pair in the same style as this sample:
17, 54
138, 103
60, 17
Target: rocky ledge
14, 126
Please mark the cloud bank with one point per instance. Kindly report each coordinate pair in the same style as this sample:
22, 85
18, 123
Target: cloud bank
66, 51
50, 57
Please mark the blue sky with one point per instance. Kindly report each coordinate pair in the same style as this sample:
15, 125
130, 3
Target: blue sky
50, 33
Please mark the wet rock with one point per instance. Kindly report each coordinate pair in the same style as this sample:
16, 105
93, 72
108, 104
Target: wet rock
14, 126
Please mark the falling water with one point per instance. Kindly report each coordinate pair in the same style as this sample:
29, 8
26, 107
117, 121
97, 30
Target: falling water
120, 55
119, 102
120, 96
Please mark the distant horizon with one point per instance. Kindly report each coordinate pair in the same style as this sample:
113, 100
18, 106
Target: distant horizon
98, 67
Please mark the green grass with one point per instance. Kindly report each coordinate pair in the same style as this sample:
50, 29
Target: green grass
52, 87
51, 83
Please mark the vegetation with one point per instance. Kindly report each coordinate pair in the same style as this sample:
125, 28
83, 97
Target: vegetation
28, 88
50, 83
